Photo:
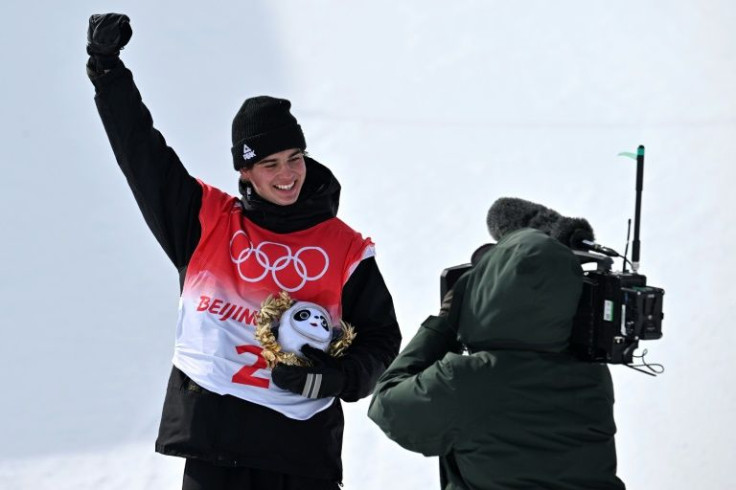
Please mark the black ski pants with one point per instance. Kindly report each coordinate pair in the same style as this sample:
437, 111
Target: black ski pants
200, 475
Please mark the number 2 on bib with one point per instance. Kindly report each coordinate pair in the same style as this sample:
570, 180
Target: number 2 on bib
246, 374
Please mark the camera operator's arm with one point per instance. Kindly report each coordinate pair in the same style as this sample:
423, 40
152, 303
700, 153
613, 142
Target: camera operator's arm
167, 195
415, 398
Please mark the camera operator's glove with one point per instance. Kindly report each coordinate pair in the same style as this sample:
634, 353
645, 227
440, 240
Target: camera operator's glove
446, 304
325, 377
107, 34
446, 322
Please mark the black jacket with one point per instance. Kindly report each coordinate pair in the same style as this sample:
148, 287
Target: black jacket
226, 430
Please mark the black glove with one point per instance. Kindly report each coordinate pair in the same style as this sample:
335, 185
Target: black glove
446, 325
323, 378
107, 34
446, 304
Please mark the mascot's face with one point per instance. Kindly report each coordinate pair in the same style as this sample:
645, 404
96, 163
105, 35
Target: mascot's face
311, 323
304, 323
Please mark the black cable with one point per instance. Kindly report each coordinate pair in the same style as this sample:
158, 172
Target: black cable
626, 261
626, 249
654, 369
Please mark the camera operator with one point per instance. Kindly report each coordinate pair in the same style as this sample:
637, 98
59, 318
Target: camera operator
517, 411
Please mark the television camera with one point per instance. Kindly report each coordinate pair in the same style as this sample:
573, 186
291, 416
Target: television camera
616, 309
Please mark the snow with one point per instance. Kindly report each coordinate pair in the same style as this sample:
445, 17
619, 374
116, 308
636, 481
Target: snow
427, 112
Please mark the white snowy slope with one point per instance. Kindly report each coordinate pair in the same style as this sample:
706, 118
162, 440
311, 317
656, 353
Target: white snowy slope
427, 112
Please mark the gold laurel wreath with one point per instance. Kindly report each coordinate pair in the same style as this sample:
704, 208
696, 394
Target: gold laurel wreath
271, 310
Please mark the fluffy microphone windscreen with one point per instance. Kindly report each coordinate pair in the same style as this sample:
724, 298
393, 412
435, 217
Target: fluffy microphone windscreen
508, 214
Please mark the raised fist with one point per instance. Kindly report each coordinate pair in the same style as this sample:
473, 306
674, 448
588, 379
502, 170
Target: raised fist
108, 34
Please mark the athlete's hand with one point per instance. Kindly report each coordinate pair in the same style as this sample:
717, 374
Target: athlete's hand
107, 34
323, 378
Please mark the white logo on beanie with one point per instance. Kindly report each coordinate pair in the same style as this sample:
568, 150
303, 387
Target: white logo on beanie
248, 153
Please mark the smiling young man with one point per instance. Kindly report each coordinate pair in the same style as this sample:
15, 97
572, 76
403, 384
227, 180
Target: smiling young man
239, 424
262, 128
279, 177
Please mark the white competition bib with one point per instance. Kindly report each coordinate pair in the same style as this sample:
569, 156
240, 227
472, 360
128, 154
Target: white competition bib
235, 267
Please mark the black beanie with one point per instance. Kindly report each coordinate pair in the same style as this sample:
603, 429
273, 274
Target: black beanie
264, 126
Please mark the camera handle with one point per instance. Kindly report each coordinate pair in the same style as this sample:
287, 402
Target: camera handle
603, 263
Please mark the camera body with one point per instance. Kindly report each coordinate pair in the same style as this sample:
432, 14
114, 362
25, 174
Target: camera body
616, 311
449, 277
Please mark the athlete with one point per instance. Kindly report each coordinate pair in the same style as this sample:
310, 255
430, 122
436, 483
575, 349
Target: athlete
238, 423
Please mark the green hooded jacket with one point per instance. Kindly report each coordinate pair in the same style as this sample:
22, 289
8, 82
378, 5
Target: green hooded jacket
517, 411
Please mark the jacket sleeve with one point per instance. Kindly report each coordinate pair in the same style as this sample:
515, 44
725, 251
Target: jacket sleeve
368, 306
416, 401
167, 195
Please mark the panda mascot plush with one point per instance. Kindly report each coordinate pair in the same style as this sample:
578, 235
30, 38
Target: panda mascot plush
285, 325
304, 323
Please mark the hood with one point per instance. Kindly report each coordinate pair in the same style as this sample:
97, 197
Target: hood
318, 201
522, 294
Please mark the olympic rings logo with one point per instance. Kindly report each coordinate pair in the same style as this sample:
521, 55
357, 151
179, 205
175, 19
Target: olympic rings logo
250, 260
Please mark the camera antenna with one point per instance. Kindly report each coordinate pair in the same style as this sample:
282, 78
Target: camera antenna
628, 240
636, 245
